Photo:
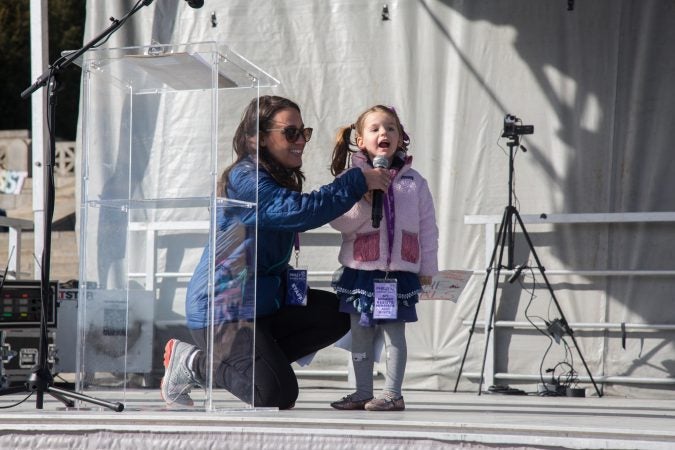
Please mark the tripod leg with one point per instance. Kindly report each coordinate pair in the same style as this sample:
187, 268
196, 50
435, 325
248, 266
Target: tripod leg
488, 330
56, 392
69, 403
473, 326
500, 233
555, 300
40, 381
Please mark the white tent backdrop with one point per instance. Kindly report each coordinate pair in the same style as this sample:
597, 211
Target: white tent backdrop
596, 84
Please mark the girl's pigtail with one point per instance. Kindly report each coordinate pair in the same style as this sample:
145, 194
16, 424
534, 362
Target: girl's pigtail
341, 150
405, 139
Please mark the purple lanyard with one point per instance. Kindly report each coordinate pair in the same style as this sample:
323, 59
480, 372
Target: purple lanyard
391, 216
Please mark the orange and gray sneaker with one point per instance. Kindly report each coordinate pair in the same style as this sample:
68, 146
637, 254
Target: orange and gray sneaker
178, 378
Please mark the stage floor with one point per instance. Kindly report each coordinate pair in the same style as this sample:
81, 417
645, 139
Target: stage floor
432, 420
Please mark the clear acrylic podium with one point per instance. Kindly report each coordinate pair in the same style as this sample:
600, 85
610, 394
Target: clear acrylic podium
157, 128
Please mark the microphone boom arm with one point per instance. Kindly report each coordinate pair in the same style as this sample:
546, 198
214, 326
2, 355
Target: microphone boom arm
67, 60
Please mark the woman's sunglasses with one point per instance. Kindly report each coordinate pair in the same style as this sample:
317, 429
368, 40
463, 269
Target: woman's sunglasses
293, 133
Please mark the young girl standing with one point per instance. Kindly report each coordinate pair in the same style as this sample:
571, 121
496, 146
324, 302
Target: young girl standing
385, 266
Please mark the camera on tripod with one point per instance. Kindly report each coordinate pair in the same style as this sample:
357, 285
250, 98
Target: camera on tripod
513, 127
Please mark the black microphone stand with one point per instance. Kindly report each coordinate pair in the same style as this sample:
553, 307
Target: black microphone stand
506, 238
41, 380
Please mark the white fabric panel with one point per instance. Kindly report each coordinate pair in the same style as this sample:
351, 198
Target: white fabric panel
596, 84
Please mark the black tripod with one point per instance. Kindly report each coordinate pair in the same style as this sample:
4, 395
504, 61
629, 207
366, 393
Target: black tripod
41, 380
506, 234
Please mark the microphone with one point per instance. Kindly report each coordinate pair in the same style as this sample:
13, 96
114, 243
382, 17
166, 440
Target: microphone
379, 162
195, 3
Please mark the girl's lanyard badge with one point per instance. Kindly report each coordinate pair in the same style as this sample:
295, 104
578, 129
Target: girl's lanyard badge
296, 280
385, 305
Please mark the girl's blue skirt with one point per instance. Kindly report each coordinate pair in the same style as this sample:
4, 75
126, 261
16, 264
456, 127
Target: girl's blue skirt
355, 289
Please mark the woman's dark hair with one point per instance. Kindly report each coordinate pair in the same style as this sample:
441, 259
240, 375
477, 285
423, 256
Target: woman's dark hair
256, 119
345, 140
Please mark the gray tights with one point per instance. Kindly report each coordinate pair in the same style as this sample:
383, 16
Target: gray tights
363, 339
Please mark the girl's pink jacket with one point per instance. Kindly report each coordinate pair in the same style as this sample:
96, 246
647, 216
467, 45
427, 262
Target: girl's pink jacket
415, 246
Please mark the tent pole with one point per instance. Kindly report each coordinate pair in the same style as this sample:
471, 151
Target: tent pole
39, 51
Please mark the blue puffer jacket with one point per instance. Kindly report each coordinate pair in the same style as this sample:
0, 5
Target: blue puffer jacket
281, 214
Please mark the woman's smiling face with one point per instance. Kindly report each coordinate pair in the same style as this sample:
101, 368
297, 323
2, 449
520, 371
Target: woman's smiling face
287, 154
